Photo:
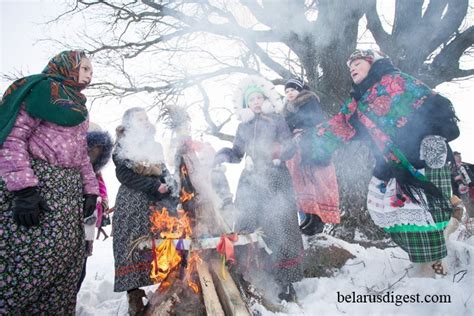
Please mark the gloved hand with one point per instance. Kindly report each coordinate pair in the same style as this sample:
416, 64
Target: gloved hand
27, 205
276, 162
90, 203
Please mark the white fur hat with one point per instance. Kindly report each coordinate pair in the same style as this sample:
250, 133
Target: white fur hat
272, 104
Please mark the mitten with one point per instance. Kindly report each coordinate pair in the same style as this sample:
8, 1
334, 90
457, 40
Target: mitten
90, 203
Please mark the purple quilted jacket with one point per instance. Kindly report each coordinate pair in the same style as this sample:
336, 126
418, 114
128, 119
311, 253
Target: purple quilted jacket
58, 145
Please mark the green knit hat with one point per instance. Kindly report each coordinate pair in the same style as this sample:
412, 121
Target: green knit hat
249, 91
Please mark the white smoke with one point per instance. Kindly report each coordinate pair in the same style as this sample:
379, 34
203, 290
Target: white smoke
138, 141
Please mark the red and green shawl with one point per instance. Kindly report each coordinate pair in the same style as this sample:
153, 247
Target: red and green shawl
54, 95
383, 108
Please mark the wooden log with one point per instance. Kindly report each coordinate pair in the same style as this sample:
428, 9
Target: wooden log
209, 294
163, 304
178, 299
227, 291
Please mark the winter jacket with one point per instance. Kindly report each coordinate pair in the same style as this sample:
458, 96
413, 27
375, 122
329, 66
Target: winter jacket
148, 184
264, 138
58, 145
304, 112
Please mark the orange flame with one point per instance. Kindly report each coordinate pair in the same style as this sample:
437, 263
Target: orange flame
193, 262
170, 227
185, 196
166, 259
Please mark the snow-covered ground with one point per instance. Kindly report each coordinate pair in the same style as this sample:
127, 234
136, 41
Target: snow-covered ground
372, 271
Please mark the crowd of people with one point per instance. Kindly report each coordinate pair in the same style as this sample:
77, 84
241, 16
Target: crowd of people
53, 195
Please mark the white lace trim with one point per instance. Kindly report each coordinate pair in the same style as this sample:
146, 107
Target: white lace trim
385, 215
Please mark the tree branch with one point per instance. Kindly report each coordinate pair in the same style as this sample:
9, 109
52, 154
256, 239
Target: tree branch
374, 24
445, 65
440, 33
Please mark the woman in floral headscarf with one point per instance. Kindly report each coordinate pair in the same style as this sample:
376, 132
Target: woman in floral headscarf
47, 187
409, 126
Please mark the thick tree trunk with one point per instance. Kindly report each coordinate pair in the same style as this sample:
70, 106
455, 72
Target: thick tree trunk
354, 164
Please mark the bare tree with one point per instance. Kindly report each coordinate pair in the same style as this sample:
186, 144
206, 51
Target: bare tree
185, 44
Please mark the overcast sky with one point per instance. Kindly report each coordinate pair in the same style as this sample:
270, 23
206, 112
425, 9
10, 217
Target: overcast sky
22, 25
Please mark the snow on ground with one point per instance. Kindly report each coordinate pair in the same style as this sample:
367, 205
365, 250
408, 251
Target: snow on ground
373, 271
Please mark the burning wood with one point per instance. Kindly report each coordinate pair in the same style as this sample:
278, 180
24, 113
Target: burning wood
183, 247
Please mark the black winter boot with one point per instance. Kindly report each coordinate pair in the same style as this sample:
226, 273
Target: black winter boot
313, 226
288, 293
305, 221
135, 302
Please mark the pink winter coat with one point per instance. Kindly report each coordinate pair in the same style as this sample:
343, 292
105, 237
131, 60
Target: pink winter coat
58, 145
103, 197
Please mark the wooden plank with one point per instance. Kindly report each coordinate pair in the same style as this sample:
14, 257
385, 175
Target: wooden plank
227, 291
211, 300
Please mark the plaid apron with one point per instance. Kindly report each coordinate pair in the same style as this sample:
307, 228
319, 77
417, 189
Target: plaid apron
425, 243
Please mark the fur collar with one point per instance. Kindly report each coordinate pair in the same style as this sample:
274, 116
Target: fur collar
272, 103
303, 97
103, 139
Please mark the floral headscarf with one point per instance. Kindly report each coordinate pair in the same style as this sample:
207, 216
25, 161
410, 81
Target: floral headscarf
53, 95
370, 55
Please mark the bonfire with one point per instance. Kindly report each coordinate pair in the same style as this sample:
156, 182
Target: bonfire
191, 248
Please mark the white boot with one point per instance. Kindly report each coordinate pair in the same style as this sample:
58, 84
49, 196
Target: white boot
450, 228
440, 268
421, 270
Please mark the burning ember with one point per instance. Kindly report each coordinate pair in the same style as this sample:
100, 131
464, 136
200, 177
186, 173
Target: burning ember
193, 262
185, 196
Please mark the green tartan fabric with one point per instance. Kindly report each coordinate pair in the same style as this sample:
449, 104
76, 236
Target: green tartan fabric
442, 179
422, 246
428, 246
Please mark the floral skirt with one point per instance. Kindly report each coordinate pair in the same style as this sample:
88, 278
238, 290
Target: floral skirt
41, 265
131, 221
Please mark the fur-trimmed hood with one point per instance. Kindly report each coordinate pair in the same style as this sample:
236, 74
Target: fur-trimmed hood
302, 98
272, 104
104, 140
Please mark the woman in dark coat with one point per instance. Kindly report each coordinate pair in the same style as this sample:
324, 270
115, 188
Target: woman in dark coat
316, 187
140, 170
99, 149
265, 196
